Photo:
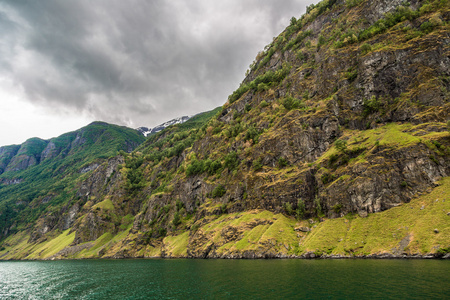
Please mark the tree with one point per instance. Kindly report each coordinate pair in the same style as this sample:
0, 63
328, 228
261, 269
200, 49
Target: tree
301, 208
341, 145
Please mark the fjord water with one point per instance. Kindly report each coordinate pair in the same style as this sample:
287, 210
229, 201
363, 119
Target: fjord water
225, 279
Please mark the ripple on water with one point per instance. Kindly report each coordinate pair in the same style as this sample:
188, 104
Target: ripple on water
230, 279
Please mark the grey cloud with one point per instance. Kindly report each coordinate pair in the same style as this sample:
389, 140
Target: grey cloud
135, 62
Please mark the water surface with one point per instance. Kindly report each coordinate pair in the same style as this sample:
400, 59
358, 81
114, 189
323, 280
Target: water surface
225, 279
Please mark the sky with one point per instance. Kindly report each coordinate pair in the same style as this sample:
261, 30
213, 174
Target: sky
65, 64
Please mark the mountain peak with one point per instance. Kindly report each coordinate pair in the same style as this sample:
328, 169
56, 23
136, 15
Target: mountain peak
149, 131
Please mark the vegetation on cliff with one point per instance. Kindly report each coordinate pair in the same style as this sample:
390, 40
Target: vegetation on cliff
336, 136
48, 185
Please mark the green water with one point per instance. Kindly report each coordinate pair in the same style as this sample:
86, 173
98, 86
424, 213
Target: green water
225, 279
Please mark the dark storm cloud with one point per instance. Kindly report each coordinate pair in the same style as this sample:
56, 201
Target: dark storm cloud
135, 62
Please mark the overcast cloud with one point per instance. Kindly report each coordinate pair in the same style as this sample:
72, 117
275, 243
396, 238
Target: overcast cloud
137, 63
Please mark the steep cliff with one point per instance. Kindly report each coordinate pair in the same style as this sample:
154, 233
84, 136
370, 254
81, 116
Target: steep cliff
335, 144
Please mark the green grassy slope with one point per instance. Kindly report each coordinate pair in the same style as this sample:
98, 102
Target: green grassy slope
421, 226
47, 186
416, 228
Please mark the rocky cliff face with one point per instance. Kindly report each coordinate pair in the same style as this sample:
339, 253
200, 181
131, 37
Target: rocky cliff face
34, 151
26, 156
345, 113
6, 154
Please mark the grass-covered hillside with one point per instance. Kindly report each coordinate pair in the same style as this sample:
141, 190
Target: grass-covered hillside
48, 183
336, 143
413, 229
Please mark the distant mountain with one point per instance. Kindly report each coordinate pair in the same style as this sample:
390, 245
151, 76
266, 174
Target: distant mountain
148, 131
34, 151
39, 174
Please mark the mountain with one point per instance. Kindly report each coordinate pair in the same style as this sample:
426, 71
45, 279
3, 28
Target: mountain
148, 131
40, 175
336, 144
35, 150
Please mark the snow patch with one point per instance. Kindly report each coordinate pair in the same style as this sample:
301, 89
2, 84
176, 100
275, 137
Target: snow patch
148, 131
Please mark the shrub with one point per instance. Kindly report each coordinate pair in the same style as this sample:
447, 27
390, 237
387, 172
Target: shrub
443, 251
218, 191
134, 176
390, 19
301, 55
332, 159
353, 3
340, 145
437, 144
338, 44
351, 74
317, 206
306, 95
223, 208
238, 93
327, 177
233, 130
166, 208
282, 162
301, 208
291, 103
257, 165
179, 204
262, 87
434, 159
288, 208
321, 41
162, 232
195, 227
293, 21
371, 105
231, 161
252, 134
179, 148
426, 27
267, 58
195, 167
365, 48
212, 167
176, 219
263, 104
337, 208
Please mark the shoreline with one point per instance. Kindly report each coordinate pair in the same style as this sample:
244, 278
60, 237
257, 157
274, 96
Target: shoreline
306, 256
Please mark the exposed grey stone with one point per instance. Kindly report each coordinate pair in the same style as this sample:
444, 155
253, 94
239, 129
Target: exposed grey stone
303, 229
362, 213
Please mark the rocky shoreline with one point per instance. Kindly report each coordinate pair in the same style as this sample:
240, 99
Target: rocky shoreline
311, 255
308, 255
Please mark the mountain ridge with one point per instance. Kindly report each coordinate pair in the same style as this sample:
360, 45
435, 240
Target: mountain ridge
39, 173
34, 150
